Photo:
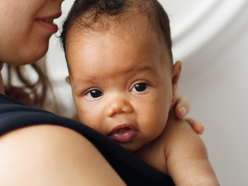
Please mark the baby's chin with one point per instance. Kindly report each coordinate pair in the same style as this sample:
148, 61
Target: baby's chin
132, 146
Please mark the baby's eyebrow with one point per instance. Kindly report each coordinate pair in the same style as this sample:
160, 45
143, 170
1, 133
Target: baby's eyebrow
146, 69
77, 84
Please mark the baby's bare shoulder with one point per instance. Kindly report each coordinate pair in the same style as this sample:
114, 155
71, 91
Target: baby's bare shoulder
186, 155
174, 140
154, 154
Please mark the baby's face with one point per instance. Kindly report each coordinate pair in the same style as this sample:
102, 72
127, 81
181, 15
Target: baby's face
121, 83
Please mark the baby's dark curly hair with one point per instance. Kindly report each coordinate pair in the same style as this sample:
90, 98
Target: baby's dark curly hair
86, 13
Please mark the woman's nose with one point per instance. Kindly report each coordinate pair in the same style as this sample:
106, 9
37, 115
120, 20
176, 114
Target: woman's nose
119, 106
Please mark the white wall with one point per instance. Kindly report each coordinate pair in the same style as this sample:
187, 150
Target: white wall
211, 38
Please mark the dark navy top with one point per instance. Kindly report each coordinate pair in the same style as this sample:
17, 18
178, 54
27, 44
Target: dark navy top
132, 170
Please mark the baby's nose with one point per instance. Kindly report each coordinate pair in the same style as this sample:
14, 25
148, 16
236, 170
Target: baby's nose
119, 106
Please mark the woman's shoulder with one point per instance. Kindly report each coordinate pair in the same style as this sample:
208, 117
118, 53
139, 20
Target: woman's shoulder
51, 155
36, 143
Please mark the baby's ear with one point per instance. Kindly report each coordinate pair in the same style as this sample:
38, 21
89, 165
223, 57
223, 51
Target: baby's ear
176, 72
68, 80
175, 77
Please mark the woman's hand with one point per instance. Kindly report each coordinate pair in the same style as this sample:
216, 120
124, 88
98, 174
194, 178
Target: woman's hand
181, 108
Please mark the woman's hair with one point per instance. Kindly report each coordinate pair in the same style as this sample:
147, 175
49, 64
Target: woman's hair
37, 89
87, 12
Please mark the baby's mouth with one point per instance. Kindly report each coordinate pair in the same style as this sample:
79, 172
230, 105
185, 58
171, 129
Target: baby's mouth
123, 133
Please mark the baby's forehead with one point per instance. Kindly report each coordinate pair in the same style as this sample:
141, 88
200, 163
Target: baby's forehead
139, 39
135, 29
125, 27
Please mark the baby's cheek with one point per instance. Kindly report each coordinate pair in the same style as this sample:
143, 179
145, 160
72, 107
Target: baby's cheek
90, 118
161, 115
84, 114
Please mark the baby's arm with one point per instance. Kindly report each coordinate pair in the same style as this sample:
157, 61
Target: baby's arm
186, 155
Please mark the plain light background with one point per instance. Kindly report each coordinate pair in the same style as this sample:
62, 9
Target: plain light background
211, 39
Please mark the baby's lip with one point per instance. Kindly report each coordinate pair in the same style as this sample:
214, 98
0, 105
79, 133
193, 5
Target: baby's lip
123, 133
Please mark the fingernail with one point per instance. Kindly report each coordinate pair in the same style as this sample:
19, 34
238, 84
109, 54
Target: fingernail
182, 110
201, 129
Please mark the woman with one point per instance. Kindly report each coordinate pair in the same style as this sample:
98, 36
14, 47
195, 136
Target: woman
40, 148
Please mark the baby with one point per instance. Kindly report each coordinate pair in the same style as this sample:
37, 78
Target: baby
123, 83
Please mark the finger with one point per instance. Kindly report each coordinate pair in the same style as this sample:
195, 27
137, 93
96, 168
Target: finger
196, 125
182, 107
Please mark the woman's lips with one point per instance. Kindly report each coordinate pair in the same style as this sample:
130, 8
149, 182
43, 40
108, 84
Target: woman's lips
47, 22
123, 133
48, 25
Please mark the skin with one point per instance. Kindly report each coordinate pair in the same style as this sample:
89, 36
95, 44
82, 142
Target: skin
23, 38
42, 155
107, 69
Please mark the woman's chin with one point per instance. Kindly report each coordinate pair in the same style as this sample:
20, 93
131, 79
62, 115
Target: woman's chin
29, 57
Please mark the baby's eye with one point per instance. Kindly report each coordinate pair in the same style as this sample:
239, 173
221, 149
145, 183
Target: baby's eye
94, 94
140, 87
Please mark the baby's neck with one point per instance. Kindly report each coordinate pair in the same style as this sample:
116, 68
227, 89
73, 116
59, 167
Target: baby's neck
1, 80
